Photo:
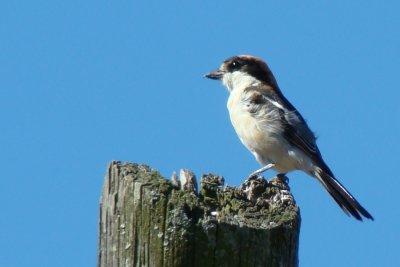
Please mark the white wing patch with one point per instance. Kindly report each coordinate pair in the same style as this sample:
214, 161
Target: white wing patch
276, 104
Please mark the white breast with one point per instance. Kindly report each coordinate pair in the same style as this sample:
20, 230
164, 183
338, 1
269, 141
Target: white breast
262, 138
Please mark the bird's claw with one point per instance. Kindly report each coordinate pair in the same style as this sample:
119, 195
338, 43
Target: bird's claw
261, 170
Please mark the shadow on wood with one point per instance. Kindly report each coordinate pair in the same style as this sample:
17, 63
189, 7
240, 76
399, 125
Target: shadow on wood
146, 220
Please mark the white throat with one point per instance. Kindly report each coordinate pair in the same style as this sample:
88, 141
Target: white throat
238, 80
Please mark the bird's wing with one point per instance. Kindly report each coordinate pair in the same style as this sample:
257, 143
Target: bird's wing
270, 103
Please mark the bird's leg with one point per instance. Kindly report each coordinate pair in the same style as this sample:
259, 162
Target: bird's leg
261, 170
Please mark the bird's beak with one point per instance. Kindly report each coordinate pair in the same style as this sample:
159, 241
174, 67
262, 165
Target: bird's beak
215, 75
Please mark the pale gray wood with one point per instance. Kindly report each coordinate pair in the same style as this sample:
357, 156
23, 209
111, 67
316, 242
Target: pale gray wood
146, 220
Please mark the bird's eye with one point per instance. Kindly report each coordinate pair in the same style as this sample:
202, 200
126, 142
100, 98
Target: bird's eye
235, 65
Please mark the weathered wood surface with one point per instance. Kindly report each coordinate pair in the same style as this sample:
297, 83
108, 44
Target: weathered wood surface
146, 220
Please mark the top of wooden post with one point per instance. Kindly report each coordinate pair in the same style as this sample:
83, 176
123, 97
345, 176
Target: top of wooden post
147, 220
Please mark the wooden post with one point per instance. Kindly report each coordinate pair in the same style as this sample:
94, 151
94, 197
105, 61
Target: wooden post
146, 220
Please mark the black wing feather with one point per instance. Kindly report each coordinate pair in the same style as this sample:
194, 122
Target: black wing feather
299, 135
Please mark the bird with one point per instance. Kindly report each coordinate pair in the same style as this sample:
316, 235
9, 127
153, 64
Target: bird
272, 129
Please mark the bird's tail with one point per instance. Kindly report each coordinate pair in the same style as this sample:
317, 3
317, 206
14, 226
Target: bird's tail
341, 195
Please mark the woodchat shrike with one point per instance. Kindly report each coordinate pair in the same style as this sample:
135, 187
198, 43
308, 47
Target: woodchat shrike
273, 130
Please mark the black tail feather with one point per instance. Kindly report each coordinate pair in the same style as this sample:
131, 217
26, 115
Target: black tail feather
341, 195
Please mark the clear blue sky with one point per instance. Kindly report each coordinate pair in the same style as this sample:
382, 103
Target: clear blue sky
86, 82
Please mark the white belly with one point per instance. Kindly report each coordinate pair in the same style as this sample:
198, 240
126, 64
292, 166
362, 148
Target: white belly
264, 139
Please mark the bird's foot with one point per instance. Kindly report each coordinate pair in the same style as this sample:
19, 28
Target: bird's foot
282, 177
255, 174
254, 183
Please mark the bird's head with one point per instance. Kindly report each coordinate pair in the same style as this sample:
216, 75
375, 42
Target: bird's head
243, 71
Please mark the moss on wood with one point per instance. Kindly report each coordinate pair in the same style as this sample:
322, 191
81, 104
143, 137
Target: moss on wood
147, 220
